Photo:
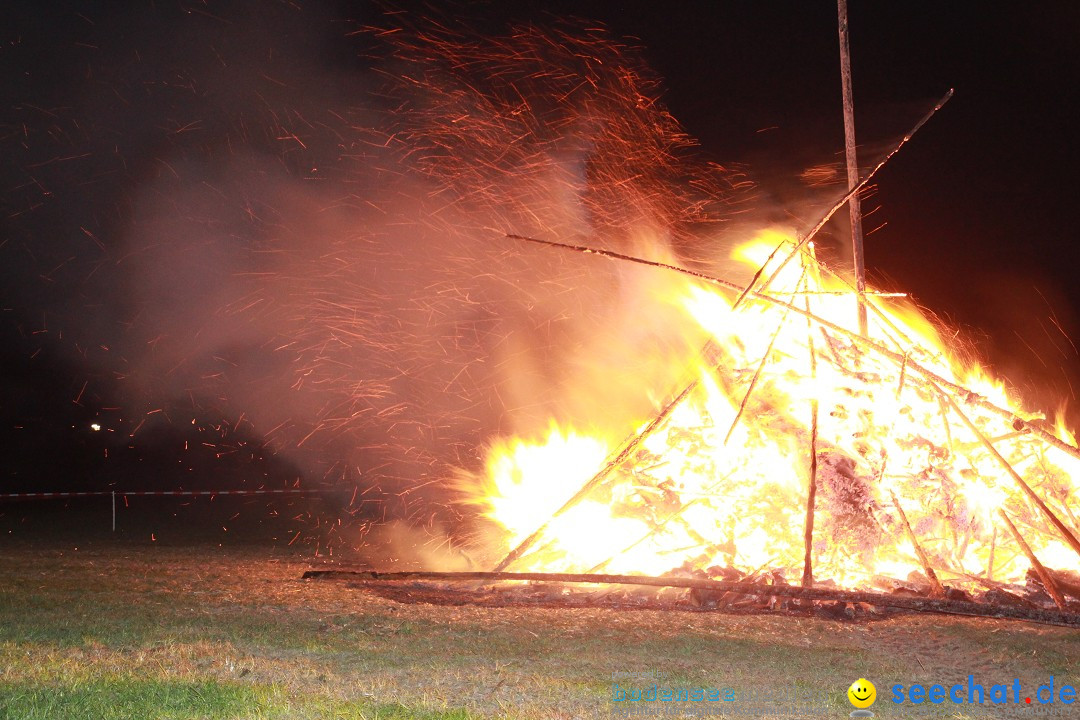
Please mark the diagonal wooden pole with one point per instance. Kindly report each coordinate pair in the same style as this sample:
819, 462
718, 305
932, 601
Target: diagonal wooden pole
1047, 579
750, 288
936, 589
1054, 520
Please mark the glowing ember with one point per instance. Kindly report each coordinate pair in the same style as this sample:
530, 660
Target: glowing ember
723, 480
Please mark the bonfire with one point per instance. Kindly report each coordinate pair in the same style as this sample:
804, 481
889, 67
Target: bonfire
802, 448
826, 435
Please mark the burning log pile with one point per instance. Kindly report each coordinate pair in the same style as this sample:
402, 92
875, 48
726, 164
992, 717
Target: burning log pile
801, 459
799, 444
883, 472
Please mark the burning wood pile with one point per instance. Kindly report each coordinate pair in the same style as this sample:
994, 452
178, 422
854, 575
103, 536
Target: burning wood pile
799, 446
800, 451
801, 467
802, 459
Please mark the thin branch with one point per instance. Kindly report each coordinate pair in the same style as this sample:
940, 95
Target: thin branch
757, 372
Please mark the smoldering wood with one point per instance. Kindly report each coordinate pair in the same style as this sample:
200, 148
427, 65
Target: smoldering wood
1065, 584
919, 604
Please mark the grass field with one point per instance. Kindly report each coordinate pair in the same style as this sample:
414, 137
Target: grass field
149, 631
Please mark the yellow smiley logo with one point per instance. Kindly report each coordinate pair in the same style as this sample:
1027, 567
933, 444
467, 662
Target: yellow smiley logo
862, 693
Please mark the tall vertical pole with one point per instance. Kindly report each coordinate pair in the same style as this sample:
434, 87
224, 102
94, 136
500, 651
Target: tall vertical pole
114, 511
854, 209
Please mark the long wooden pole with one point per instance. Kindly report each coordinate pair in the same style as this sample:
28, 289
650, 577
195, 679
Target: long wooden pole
811, 493
851, 155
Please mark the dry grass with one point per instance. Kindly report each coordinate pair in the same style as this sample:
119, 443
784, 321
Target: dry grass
152, 631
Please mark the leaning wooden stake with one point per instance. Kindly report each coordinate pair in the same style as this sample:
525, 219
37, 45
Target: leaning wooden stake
1065, 532
757, 373
1047, 579
854, 209
811, 493
936, 590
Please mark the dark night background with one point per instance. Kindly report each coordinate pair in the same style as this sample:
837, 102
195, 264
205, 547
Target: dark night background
976, 215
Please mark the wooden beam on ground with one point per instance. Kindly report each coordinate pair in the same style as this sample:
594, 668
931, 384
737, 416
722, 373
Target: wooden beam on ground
930, 605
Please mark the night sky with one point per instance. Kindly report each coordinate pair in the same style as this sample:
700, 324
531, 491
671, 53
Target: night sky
975, 217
